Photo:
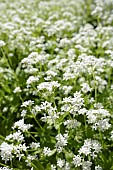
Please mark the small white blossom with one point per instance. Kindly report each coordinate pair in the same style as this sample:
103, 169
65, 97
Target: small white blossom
90, 147
6, 151
35, 145
53, 167
2, 43
17, 90
27, 103
85, 88
82, 111
20, 125
23, 113
102, 125
60, 163
77, 160
18, 136
47, 151
98, 167
67, 89
48, 86
32, 79
70, 124
86, 148
86, 165
111, 135
5, 168
61, 141
18, 149
29, 159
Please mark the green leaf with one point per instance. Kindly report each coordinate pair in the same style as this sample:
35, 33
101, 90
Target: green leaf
37, 165
48, 167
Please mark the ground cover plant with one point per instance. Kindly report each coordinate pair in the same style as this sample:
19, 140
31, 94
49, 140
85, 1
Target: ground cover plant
56, 85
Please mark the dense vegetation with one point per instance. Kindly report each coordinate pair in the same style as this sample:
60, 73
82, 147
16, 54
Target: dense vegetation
56, 85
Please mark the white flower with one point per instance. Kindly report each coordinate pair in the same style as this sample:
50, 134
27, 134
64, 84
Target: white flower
60, 163
6, 151
18, 149
64, 42
5, 168
77, 160
31, 80
70, 124
86, 148
85, 87
111, 135
67, 166
73, 104
102, 125
82, 111
98, 167
99, 106
48, 86
97, 116
67, 89
96, 146
17, 90
29, 159
16, 136
111, 86
90, 147
45, 105
53, 167
47, 151
27, 103
5, 109
50, 74
35, 145
61, 141
71, 53
36, 109
91, 100
23, 113
2, 43
20, 125
86, 165
96, 11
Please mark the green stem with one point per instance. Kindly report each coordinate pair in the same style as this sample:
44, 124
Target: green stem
2, 137
85, 125
21, 98
38, 123
95, 86
32, 136
4, 165
101, 138
9, 64
4, 56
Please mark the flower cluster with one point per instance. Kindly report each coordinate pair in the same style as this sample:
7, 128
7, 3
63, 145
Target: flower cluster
56, 89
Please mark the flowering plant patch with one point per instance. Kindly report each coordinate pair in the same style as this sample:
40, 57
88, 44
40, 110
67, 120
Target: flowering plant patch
56, 88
